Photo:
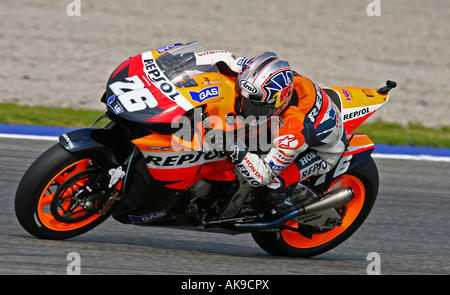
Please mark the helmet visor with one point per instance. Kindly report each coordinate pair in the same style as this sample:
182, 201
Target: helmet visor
246, 107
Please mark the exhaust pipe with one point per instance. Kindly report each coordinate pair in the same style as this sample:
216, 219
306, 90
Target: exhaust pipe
335, 198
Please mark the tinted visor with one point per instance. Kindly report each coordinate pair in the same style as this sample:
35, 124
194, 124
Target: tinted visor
246, 107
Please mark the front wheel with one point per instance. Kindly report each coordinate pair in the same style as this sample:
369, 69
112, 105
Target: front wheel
47, 202
289, 242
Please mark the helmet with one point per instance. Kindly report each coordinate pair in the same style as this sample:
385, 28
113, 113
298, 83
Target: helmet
264, 87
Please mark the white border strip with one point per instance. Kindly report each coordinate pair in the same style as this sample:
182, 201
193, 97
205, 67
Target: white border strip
374, 155
411, 157
32, 137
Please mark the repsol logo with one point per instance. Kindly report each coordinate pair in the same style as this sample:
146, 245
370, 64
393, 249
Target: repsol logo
155, 75
313, 169
356, 114
181, 159
251, 180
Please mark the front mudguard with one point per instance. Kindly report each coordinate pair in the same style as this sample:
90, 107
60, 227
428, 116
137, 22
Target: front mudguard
101, 144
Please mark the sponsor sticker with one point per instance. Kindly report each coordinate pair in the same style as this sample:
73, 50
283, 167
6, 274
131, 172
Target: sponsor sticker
204, 94
167, 48
114, 105
347, 94
276, 167
157, 78
170, 160
248, 87
147, 217
356, 113
287, 142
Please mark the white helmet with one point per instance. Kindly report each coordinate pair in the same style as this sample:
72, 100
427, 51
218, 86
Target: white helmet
264, 87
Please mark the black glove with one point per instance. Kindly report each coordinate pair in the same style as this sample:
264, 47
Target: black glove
222, 141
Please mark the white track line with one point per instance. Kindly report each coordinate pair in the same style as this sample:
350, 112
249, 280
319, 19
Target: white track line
411, 157
374, 155
32, 137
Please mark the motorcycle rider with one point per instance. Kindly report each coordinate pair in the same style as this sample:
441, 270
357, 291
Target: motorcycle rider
311, 137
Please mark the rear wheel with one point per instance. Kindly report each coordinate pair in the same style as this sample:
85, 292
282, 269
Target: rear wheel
49, 197
364, 182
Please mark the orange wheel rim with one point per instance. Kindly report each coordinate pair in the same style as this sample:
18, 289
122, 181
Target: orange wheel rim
296, 240
43, 210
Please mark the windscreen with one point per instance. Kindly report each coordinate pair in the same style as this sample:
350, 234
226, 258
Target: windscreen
179, 66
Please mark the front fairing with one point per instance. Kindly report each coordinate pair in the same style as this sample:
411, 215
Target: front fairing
141, 91
175, 104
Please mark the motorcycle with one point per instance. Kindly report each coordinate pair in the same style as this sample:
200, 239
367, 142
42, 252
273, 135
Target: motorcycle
150, 165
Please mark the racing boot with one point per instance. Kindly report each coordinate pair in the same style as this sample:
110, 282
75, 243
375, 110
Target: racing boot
277, 199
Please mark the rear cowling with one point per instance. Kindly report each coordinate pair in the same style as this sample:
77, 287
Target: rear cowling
357, 104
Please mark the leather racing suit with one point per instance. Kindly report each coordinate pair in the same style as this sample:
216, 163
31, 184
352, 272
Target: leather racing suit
310, 139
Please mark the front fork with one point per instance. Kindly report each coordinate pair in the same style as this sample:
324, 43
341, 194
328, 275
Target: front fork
114, 155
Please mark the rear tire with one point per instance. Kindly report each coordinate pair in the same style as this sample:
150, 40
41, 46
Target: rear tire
364, 181
38, 193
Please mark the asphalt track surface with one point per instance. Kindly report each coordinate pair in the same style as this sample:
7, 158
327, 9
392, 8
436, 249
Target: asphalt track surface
408, 228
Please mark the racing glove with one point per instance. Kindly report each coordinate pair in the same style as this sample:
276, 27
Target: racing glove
214, 56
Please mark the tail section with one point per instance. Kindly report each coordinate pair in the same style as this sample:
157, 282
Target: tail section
357, 104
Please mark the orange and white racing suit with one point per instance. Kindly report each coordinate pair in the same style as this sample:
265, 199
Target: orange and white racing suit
310, 139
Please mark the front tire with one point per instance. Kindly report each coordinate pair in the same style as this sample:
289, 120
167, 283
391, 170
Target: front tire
44, 199
364, 181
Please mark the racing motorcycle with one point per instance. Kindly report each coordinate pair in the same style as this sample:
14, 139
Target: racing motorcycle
149, 164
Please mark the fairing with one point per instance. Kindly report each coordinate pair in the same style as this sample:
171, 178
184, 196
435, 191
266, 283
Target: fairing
140, 92
147, 91
356, 104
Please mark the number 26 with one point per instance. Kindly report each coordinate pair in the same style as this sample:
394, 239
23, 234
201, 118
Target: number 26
133, 95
